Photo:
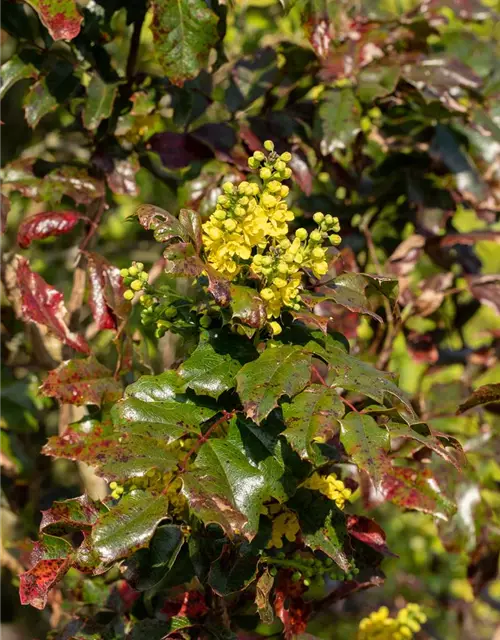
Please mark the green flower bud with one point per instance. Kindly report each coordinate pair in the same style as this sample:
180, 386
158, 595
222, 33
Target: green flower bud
296, 576
286, 156
316, 236
318, 217
124, 273
301, 233
259, 156
269, 145
265, 173
128, 295
144, 276
133, 271
228, 187
205, 321
140, 266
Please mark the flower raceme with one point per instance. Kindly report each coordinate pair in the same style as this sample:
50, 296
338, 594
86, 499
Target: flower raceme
246, 237
380, 626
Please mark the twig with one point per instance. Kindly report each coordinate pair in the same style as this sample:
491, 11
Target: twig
94, 224
226, 415
135, 41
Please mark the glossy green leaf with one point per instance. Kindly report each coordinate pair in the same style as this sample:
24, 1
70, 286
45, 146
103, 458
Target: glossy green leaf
99, 104
129, 525
84, 381
338, 119
13, 70
209, 373
232, 571
314, 413
184, 32
230, 482
61, 17
322, 525
363, 439
279, 371
165, 386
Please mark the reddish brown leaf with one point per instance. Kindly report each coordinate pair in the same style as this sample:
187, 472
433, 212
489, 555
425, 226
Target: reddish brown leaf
44, 304
82, 382
61, 17
290, 606
122, 179
44, 225
486, 289
178, 150
49, 560
369, 532
5, 208
106, 292
484, 395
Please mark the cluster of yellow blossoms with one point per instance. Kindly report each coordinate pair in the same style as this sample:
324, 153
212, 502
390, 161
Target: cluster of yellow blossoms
285, 524
330, 486
247, 235
154, 479
380, 626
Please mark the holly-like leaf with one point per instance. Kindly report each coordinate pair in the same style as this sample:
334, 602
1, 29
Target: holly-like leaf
13, 70
232, 571
129, 525
164, 225
209, 373
247, 306
82, 382
437, 443
228, 486
44, 225
61, 17
44, 305
413, 489
75, 514
283, 370
484, 395
165, 386
184, 32
314, 413
355, 375
4, 212
106, 292
148, 566
100, 100
191, 222
49, 91
338, 119
369, 532
363, 440
322, 525
50, 559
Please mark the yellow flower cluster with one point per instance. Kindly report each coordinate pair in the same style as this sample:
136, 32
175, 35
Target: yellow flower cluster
330, 486
380, 626
246, 236
285, 523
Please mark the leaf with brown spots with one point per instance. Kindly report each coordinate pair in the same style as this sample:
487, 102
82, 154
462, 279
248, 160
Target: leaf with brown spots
247, 306
314, 413
75, 514
363, 440
369, 532
82, 382
44, 305
484, 395
184, 33
61, 17
50, 559
164, 225
283, 370
413, 489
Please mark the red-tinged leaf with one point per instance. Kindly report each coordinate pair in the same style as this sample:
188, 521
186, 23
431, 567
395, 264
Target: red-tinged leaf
61, 17
50, 559
164, 225
190, 604
311, 320
82, 382
178, 150
44, 225
106, 292
484, 395
44, 305
453, 454
4, 212
82, 441
414, 489
76, 514
486, 288
247, 306
369, 532
191, 221
301, 172
290, 606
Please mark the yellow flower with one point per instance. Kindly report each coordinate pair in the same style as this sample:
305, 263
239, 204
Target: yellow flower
379, 626
330, 486
285, 524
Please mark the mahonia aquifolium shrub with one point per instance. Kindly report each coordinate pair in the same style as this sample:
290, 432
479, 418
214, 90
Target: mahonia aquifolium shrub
233, 475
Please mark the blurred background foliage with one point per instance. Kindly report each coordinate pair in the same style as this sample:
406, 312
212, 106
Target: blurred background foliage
391, 111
